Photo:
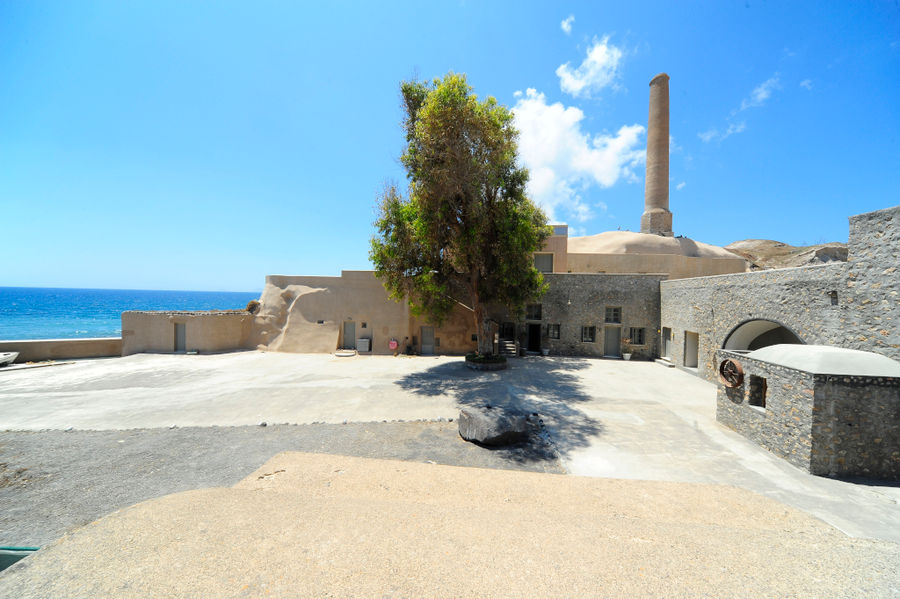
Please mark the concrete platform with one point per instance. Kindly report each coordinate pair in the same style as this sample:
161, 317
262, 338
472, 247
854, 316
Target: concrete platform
605, 418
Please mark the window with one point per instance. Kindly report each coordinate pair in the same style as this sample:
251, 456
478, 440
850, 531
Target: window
588, 334
533, 312
756, 391
834, 297
553, 331
637, 336
543, 262
614, 315
475, 337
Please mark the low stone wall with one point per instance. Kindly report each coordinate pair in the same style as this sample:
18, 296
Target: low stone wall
205, 331
36, 350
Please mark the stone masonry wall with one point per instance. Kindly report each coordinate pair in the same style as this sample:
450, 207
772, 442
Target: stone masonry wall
866, 290
856, 427
576, 300
871, 312
797, 298
783, 426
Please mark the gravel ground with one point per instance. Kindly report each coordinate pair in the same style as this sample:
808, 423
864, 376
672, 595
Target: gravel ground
53, 481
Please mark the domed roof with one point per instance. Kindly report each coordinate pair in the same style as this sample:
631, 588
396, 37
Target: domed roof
628, 242
825, 359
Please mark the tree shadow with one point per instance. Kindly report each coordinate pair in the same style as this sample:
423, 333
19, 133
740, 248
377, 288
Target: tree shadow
545, 387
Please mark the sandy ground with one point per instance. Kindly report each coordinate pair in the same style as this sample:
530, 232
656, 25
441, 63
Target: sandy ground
330, 526
52, 482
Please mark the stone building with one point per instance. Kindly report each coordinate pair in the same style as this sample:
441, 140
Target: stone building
830, 411
855, 304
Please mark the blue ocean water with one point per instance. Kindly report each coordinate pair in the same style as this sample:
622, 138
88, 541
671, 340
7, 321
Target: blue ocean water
45, 313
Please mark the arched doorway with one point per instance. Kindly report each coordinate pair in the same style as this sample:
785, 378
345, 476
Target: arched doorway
755, 334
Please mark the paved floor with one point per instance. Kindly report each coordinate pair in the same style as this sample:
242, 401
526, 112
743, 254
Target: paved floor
634, 420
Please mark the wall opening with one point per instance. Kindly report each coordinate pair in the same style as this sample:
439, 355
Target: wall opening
534, 337
755, 334
756, 391
691, 349
667, 342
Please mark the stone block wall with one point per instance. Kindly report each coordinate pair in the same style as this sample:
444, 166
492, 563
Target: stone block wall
856, 427
871, 309
783, 426
854, 304
828, 425
798, 298
576, 300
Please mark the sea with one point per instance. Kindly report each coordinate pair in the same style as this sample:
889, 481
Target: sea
46, 313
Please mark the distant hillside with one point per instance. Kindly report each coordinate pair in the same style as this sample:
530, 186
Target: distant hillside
764, 253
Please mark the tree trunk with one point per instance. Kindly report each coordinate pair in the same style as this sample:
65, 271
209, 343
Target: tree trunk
483, 329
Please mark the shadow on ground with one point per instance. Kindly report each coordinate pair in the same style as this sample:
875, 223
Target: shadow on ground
546, 385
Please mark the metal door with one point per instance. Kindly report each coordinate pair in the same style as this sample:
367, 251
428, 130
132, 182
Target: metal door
349, 335
427, 340
180, 343
611, 337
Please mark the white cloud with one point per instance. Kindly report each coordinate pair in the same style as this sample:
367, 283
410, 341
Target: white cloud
760, 93
599, 69
715, 134
708, 136
564, 161
680, 186
806, 83
566, 24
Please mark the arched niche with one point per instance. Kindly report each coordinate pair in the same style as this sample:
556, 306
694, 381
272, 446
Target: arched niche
754, 334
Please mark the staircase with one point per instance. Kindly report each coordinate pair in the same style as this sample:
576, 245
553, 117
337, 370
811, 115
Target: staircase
507, 348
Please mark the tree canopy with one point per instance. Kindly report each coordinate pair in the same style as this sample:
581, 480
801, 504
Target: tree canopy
466, 231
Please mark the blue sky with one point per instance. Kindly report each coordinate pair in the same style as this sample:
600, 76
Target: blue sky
189, 145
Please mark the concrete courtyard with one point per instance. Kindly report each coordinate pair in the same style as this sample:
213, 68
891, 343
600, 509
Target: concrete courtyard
603, 418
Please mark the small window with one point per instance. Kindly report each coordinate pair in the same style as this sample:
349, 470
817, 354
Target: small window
756, 391
475, 337
614, 315
553, 331
637, 336
588, 334
834, 297
363, 325
543, 262
320, 322
533, 312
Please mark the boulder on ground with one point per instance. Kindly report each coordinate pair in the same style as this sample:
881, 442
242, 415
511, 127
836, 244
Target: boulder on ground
492, 425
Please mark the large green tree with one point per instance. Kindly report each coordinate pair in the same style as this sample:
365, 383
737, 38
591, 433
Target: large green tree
466, 232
